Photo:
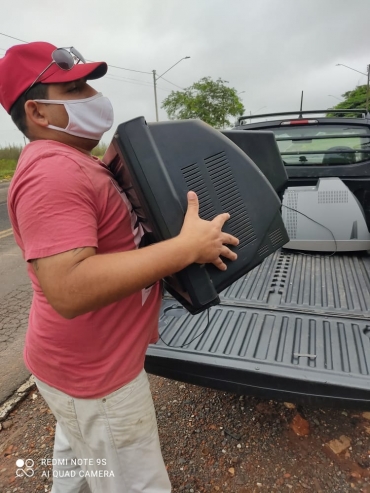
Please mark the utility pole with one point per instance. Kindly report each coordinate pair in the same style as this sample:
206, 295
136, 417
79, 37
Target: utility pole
155, 78
367, 90
155, 95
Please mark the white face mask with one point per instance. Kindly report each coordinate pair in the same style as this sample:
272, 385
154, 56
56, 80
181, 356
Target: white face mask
88, 118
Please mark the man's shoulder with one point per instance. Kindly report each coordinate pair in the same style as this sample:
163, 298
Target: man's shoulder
42, 149
49, 165
49, 158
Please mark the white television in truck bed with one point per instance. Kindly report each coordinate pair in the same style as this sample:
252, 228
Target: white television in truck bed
324, 218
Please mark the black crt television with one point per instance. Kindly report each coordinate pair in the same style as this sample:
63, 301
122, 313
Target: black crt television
262, 148
156, 164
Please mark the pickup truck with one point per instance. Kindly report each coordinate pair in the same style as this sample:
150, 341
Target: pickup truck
297, 327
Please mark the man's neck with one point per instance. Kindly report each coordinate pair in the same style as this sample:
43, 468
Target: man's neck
75, 145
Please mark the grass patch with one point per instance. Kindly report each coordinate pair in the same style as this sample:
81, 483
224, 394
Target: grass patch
8, 160
7, 168
9, 157
10, 152
99, 150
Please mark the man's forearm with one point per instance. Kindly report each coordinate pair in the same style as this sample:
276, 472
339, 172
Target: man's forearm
99, 280
79, 281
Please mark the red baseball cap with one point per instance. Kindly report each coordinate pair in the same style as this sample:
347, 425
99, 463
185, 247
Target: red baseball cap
22, 64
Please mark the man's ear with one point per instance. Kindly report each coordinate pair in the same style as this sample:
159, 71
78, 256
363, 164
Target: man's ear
36, 113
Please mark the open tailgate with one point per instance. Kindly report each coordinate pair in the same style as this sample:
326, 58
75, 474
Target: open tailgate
295, 328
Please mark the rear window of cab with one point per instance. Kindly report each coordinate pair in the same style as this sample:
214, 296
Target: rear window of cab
323, 144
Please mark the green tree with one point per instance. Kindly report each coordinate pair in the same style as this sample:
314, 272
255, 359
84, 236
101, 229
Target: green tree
355, 99
211, 101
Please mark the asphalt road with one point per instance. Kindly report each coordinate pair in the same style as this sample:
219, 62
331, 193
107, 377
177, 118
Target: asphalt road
15, 298
4, 219
12, 267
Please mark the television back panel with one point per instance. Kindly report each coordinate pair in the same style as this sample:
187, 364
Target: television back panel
262, 148
158, 163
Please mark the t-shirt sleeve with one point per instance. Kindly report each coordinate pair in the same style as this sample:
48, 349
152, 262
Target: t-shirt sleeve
55, 208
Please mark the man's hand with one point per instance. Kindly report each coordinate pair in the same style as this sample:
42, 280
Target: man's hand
205, 239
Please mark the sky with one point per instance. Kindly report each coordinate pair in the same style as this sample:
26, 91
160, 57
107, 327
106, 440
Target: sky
268, 50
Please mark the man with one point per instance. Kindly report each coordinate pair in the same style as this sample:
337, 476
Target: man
93, 314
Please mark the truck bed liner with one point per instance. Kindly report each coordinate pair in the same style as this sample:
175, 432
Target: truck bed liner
339, 284
293, 328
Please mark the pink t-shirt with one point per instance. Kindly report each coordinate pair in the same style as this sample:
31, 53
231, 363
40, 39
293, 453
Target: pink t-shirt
61, 199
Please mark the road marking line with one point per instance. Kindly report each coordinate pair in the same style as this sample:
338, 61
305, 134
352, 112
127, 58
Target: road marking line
6, 232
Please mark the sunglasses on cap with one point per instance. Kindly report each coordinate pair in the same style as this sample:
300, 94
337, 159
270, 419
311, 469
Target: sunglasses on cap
65, 58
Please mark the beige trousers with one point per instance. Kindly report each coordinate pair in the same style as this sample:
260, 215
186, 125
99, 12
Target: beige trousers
107, 445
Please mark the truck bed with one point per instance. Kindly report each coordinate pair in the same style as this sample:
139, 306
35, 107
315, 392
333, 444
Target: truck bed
295, 328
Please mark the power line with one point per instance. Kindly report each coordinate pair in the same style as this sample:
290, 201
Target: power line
124, 68
113, 66
136, 82
125, 79
7, 35
131, 70
112, 77
172, 83
129, 78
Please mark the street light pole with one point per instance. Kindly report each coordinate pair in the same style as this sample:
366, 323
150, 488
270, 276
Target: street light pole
155, 78
155, 95
341, 64
367, 90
